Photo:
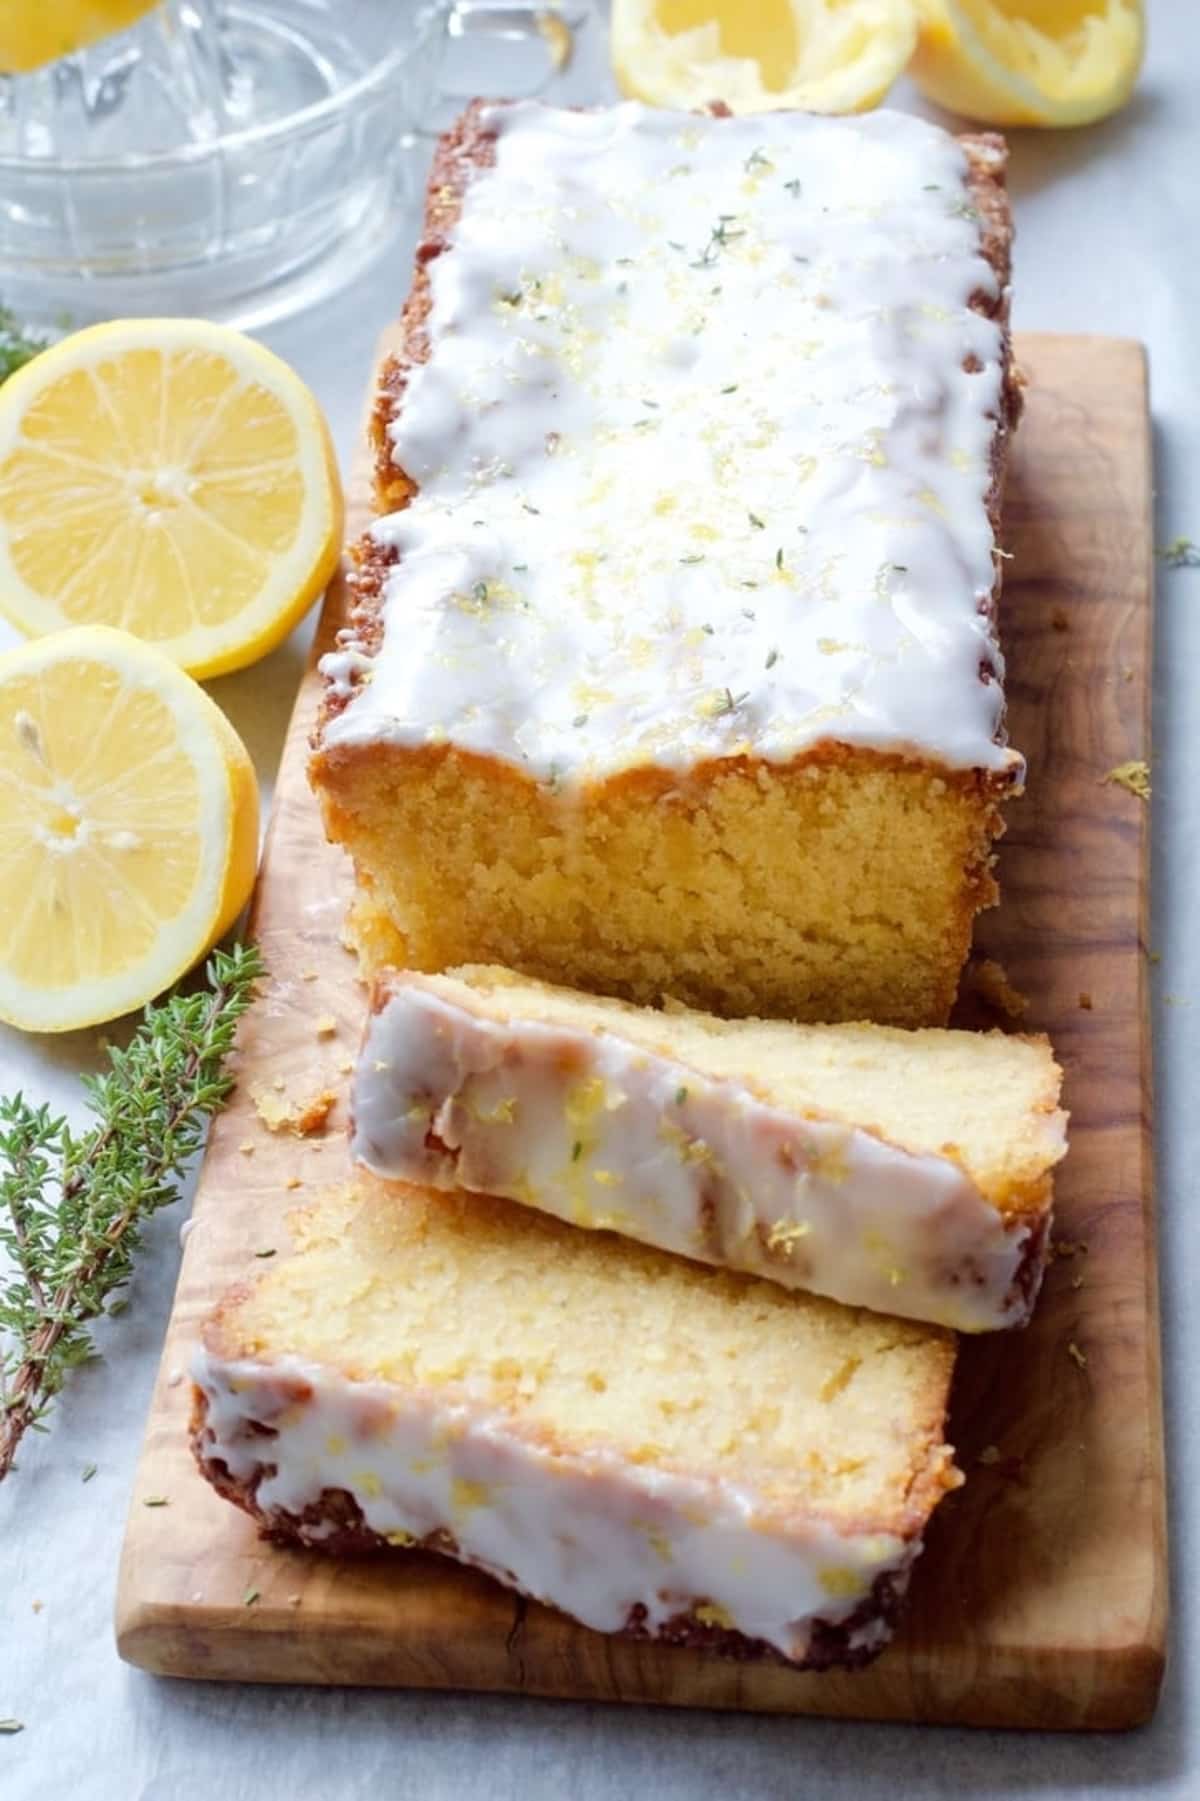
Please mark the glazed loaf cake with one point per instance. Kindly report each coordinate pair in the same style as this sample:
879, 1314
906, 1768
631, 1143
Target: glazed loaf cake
910, 1172
753, 1473
673, 668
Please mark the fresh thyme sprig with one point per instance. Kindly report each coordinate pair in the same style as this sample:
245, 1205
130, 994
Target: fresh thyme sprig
72, 1207
1180, 553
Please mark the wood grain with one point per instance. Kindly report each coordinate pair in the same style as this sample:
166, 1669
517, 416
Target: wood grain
1041, 1599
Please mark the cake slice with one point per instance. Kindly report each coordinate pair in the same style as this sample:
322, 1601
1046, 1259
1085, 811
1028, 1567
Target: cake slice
673, 668
753, 1471
910, 1172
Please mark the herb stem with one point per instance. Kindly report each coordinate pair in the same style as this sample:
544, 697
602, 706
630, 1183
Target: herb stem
72, 1208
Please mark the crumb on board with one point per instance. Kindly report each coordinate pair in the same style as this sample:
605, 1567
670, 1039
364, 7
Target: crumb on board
326, 1026
246, 1148
1133, 777
1059, 620
294, 1182
989, 980
1068, 1247
346, 1066
308, 975
990, 1454
1076, 1281
302, 1115
1085, 1000
1076, 1355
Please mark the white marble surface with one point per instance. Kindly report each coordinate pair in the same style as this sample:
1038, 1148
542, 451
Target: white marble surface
1108, 243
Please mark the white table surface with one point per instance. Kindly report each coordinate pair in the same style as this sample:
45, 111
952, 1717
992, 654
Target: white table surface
1108, 239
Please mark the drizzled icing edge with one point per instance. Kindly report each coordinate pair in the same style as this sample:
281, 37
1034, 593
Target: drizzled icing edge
602, 1133
578, 743
591, 1534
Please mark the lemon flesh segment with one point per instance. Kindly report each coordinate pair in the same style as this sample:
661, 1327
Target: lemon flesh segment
128, 827
171, 478
1029, 62
825, 56
36, 32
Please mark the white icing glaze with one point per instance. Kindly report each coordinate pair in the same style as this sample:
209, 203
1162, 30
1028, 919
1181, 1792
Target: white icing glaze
586, 1531
596, 1130
701, 471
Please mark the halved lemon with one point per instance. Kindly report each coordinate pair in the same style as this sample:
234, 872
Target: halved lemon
1029, 62
170, 477
824, 56
33, 32
128, 827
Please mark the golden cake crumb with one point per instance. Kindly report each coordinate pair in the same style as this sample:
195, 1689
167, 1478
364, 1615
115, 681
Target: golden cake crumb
301, 1116
1076, 1355
989, 980
1133, 777
327, 1026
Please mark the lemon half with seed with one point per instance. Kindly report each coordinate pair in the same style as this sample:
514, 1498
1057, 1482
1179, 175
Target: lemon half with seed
169, 477
128, 827
823, 56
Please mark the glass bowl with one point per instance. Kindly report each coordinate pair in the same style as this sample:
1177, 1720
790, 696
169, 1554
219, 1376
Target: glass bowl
230, 157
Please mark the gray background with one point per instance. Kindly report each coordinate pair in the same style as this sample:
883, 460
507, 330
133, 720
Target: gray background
1108, 230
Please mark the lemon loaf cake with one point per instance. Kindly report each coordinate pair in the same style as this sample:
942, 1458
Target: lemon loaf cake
673, 668
910, 1172
754, 1472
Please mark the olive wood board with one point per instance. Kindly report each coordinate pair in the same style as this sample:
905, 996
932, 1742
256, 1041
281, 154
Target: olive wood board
1041, 1598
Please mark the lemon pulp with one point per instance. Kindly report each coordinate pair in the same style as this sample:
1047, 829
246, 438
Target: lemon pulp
1029, 62
833, 56
171, 478
36, 32
128, 827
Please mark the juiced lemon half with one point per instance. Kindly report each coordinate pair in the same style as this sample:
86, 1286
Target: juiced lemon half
1029, 62
33, 32
824, 56
169, 477
128, 827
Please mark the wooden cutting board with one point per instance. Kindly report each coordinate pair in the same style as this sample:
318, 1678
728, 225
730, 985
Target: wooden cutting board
1041, 1599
